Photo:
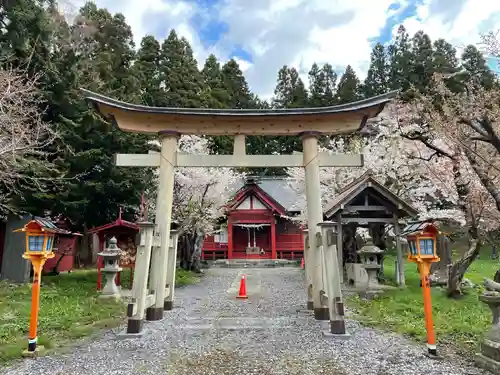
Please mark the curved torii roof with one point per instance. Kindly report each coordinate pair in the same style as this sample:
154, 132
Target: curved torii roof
338, 119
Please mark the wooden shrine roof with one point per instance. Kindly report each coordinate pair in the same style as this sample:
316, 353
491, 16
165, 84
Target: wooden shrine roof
48, 225
275, 187
336, 119
252, 187
358, 186
419, 227
118, 223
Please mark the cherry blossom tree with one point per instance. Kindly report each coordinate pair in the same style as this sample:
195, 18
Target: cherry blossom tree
441, 159
24, 137
461, 130
490, 43
200, 196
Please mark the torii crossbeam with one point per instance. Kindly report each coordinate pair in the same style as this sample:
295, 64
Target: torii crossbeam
170, 123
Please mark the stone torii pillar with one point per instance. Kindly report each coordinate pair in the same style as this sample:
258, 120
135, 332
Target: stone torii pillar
170, 123
314, 217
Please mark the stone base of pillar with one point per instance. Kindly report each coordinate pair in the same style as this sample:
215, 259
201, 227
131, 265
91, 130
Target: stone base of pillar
168, 305
342, 336
489, 358
340, 308
337, 327
487, 364
134, 325
154, 313
310, 305
321, 313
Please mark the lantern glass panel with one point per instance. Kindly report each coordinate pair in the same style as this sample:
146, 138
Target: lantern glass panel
35, 243
48, 246
426, 246
413, 247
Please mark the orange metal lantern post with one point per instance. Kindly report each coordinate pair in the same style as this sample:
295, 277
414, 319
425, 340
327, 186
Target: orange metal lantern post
422, 238
39, 243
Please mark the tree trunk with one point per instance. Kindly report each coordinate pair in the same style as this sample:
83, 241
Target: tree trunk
377, 233
439, 270
196, 255
458, 269
186, 250
349, 245
85, 251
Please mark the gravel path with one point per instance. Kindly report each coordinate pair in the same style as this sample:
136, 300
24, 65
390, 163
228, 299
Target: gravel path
212, 332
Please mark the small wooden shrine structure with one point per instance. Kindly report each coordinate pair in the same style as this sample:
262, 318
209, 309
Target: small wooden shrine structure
257, 227
367, 203
64, 247
125, 232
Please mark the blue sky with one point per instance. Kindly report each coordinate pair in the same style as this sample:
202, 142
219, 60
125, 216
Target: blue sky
263, 35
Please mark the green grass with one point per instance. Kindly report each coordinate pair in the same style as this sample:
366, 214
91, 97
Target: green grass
459, 323
69, 309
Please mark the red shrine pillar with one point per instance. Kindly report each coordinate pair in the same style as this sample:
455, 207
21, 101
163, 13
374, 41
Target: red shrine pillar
229, 238
273, 238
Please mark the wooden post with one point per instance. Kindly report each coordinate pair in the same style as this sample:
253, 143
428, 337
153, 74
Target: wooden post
172, 263
273, 238
229, 238
307, 257
334, 290
100, 261
399, 251
37, 263
136, 311
423, 268
340, 248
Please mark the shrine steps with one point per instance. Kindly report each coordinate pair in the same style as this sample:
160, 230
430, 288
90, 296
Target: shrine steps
254, 263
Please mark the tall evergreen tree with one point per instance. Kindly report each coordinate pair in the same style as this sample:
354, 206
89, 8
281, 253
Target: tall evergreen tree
290, 91
237, 87
422, 62
474, 63
182, 81
147, 70
377, 78
445, 61
218, 96
234, 93
322, 85
348, 88
444, 57
400, 61
96, 187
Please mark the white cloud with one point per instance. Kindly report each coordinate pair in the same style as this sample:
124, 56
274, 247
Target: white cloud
458, 21
300, 32
155, 17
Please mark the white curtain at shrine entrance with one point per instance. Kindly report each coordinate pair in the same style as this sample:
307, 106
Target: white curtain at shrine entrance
252, 228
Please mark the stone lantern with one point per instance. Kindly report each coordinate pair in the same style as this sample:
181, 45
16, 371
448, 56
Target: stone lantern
369, 258
489, 356
111, 257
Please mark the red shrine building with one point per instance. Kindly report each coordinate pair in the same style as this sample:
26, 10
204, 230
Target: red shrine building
257, 225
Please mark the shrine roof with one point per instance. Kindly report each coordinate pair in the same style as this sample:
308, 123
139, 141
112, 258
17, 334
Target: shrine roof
358, 186
277, 188
115, 224
419, 227
49, 226
337, 119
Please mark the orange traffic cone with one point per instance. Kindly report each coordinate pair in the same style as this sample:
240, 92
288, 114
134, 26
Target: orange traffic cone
302, 264
243, 288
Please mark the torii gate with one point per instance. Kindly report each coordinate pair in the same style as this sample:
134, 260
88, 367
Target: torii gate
170, 123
